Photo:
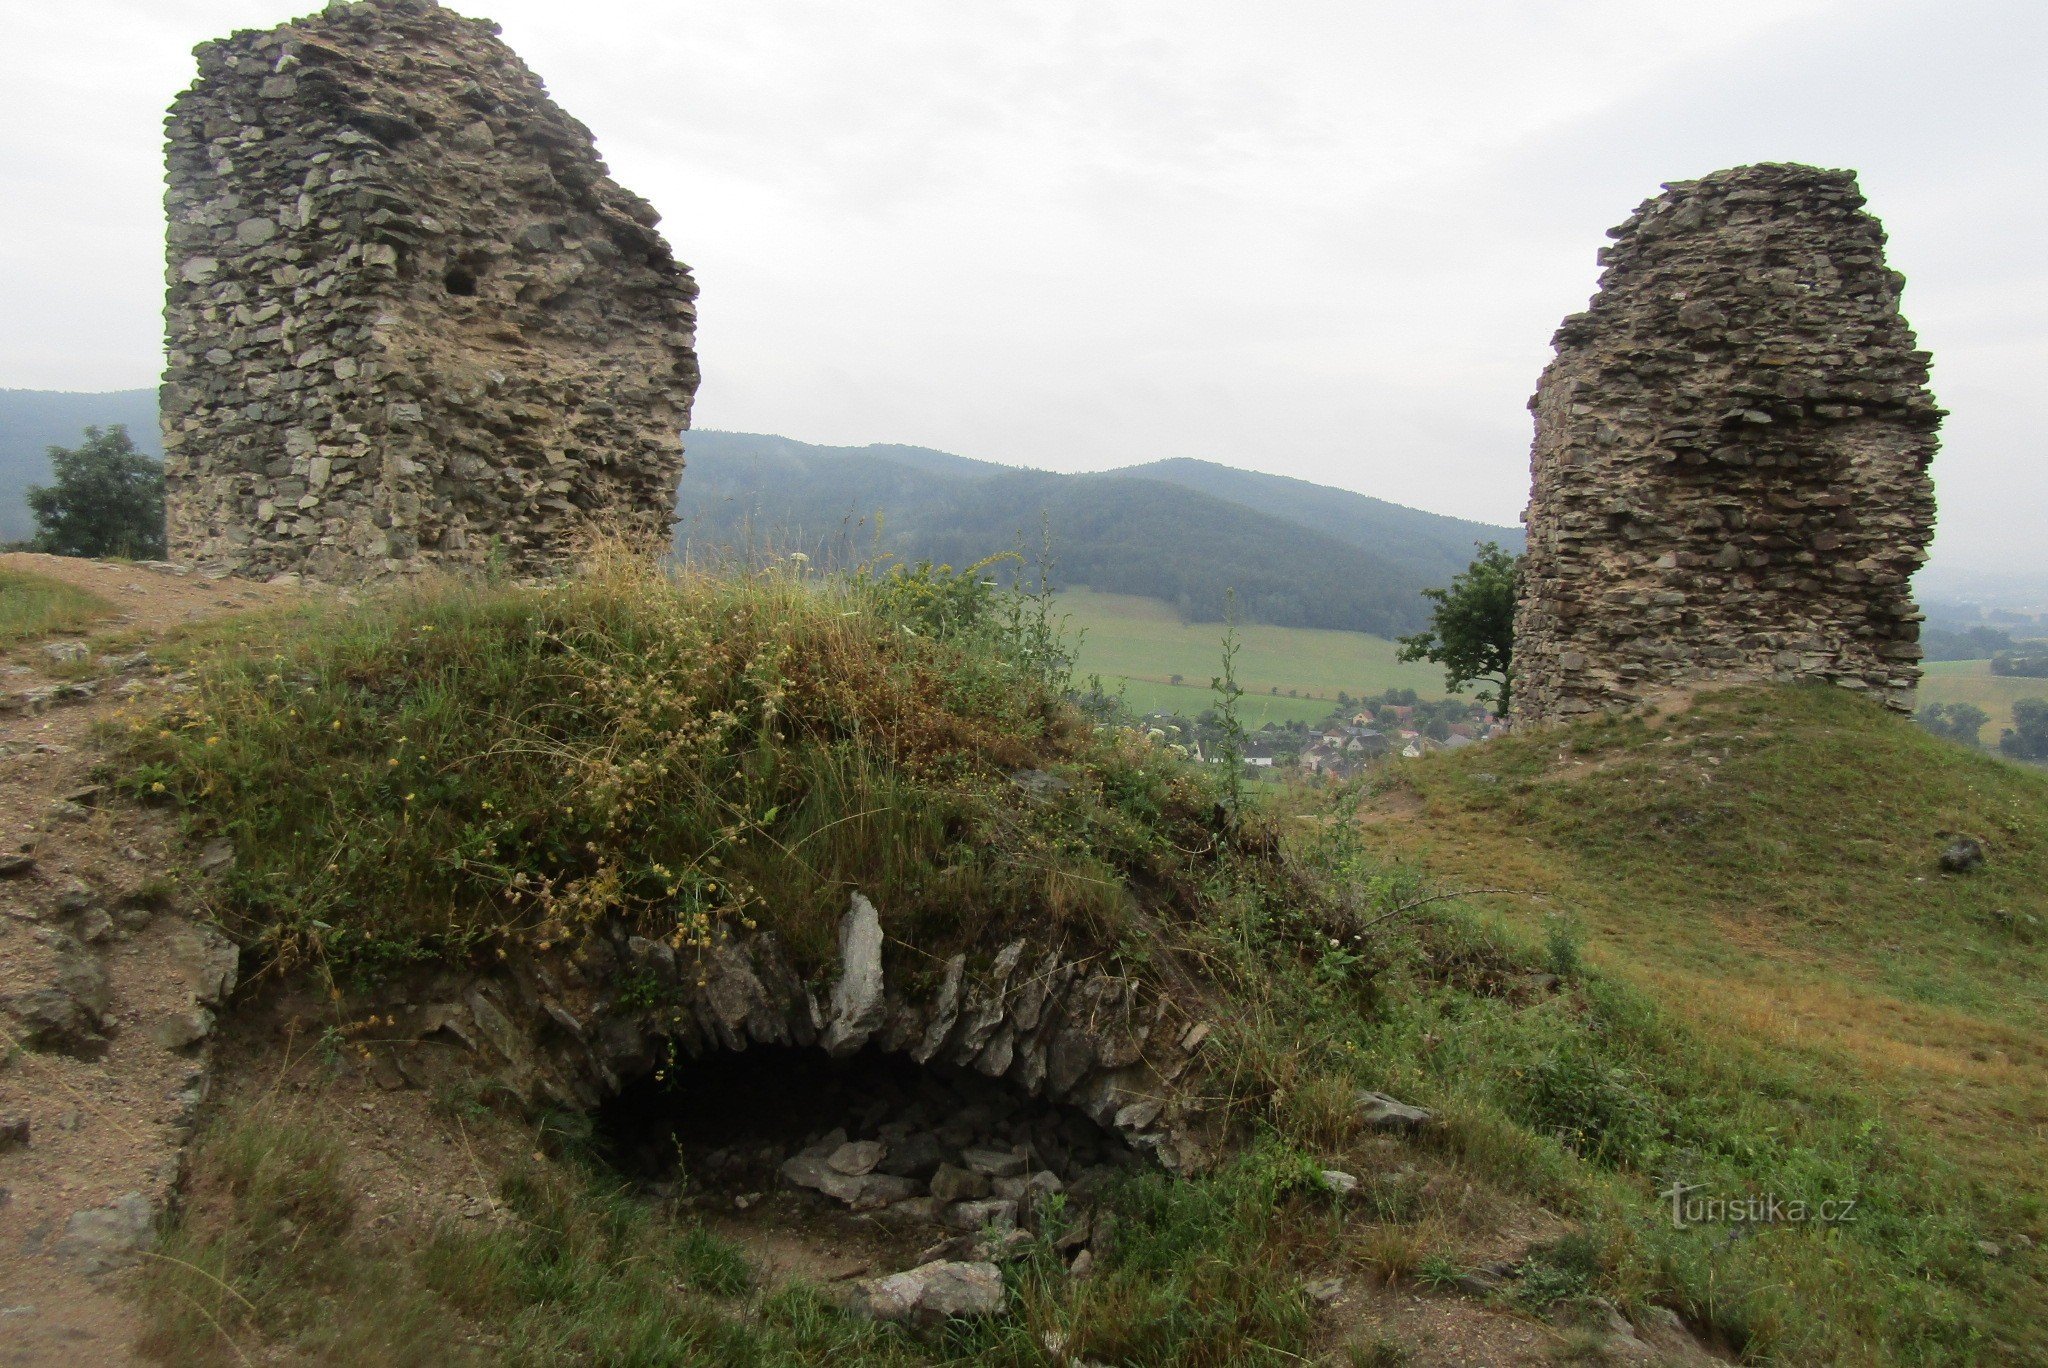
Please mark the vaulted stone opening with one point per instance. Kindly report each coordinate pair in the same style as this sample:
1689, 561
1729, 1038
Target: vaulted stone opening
931, 1151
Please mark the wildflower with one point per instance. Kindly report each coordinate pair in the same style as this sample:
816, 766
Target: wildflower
392, 763
157, 787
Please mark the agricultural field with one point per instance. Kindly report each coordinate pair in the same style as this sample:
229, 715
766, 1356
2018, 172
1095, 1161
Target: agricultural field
1971, 681
1142, 644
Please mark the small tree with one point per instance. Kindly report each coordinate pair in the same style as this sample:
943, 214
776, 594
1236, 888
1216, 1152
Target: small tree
1957, 721
1472, 631
108, 499
2027, 737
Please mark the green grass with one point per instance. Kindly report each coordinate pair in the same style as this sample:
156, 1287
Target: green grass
272, 1247
34, 606
1770, 988
459, 769
1255, 710
1971, 681
1712, 948
1142, 640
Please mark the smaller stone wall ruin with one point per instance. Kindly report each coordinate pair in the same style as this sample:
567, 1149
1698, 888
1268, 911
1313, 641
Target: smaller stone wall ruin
1730, 466
411, 320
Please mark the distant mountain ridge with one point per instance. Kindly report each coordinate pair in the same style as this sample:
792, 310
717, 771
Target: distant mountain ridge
1190, 533
1395, 531
1193, 534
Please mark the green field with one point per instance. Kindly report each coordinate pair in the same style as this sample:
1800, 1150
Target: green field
1142, 644
1971, 681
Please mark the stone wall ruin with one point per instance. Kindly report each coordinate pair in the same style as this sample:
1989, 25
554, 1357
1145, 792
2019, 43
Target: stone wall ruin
411, 320
1730, 468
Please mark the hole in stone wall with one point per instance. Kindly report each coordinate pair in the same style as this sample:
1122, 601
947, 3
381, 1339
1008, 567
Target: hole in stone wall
933, 1151
459, 280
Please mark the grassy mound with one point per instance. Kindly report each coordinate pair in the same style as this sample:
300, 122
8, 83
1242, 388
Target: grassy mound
461, 769
1711, 950
1783, 995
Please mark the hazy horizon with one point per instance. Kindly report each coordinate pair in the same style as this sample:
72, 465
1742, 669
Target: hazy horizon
1331, 245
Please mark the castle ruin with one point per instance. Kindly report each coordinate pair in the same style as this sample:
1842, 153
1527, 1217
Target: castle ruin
1730, 468
411, 320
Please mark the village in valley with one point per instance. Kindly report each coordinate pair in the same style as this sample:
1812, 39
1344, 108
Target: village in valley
1359, 732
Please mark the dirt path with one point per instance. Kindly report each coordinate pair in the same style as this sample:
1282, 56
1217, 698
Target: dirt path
104, 983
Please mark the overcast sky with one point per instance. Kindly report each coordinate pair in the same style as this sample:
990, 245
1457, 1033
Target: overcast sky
1328, 240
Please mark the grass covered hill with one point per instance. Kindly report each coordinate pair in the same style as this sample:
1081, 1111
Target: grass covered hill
1845, 1018
1712, 949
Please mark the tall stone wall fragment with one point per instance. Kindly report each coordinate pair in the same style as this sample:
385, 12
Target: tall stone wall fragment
411, 320
1730, 467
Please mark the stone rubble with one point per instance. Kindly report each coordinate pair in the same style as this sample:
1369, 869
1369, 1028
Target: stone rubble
934, 1292
411, 320
1730, 467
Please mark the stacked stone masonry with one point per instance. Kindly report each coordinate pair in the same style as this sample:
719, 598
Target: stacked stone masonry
1052, 1025
411, 320
1730, 467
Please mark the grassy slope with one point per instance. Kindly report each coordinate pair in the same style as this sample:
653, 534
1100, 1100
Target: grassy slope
1763, 869
1142, 640
1971, 681
34, 605
1753, 979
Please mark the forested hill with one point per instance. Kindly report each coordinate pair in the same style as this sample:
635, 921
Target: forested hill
1437, 545
1185, 532
1124, 532
32, 421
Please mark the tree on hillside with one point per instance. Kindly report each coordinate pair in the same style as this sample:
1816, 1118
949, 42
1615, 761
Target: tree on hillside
1957, 721
2027, 737
108, 499
1472, 630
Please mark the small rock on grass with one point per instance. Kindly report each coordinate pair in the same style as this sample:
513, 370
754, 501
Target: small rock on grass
1340, 1182
1381, 1112
1962, 855
934, 1292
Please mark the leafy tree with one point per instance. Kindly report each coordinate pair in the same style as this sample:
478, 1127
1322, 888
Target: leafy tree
2026, 667
2027, 737
108, 499
1957, 721
1966, 643
1472, 630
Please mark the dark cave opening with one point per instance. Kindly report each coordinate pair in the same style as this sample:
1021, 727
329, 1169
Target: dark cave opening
873, 1132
